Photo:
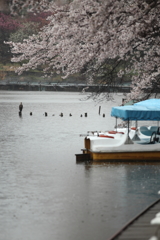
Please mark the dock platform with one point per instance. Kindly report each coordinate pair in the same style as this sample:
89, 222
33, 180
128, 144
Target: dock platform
140, 228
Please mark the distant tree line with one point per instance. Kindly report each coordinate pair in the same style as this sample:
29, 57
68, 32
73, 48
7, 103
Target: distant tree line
17, 28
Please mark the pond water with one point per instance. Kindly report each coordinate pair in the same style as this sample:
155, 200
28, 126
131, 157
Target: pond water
44, 193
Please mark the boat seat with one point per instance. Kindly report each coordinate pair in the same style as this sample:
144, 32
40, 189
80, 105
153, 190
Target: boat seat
145, 131
103, 143
153, 128
148, 131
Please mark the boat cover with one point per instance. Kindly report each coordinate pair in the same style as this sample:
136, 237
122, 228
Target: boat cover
149, 103
143, 111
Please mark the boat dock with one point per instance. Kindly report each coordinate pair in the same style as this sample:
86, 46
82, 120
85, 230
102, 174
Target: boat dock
140, 228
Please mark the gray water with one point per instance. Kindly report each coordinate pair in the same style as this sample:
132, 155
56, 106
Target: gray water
44, 193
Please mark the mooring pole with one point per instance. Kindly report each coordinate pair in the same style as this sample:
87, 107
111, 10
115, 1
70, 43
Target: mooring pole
116, 124
128, 129
99, 110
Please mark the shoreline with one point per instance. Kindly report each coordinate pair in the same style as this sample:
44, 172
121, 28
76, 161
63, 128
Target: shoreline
23, 86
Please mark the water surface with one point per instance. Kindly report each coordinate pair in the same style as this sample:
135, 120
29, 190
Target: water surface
44, 193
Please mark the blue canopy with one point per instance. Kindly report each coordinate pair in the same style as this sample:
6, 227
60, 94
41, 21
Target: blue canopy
149, 103
142, 111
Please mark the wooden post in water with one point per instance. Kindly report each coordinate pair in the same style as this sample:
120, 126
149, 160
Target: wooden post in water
99, 110
85, 114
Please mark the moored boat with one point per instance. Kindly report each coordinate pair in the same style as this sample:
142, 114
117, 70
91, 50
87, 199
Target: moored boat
130, 143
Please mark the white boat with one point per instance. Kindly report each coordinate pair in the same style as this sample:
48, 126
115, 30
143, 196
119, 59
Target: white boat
131, 143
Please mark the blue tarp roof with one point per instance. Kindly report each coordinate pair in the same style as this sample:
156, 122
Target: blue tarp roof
149, 103
142, 111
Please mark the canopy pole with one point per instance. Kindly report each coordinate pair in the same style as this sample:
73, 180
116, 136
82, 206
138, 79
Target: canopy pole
136, 137
116, 124
128, 127
128, 140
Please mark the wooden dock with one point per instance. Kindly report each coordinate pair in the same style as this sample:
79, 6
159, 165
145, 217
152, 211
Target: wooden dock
140, 228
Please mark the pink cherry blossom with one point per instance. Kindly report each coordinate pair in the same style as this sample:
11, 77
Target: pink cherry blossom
85, 34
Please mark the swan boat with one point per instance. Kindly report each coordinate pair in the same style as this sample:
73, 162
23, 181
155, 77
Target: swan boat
127, 143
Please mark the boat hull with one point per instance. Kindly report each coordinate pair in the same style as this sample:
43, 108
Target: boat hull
142, 154
124, 156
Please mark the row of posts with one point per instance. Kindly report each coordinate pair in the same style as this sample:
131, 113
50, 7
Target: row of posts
61, 114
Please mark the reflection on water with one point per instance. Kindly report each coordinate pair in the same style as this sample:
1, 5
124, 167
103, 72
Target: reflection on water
44, 194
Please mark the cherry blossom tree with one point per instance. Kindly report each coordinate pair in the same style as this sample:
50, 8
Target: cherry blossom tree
17, 6
88, 35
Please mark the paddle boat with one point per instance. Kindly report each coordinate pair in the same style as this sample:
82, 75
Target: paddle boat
130, 143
